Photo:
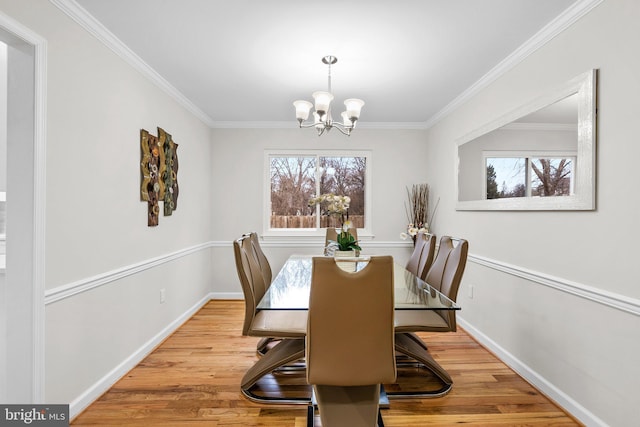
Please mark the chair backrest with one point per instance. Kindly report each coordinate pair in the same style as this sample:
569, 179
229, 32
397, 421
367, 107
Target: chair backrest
446, 271
265, 267
251, 278
414, 261
421, 258
350, 332
428, 253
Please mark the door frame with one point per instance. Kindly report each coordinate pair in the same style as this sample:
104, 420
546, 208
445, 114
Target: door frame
24, 313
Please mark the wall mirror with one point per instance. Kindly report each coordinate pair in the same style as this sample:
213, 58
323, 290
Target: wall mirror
540, 156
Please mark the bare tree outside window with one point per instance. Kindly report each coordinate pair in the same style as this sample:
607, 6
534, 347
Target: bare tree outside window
295, 180
292, 184
551, 177
547, 177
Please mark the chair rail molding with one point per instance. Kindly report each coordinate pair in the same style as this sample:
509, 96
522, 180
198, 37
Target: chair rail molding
611, 299
65, 291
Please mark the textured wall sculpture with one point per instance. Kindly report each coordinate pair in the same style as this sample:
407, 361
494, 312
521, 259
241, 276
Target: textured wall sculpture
159, 170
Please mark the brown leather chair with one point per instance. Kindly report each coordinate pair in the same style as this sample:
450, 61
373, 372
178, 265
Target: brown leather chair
267, 275
350, 340
422, 255
265, 323
287, 326
265, 267
444, 275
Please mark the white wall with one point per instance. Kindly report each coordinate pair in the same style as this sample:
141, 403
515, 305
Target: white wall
3, 119
104, 266
3, 189
581, 350
237, 166
98, 244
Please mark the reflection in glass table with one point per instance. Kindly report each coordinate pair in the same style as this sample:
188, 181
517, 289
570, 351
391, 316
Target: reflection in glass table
290, 289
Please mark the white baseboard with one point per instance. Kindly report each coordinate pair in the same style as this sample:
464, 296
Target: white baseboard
80, 403
535, 379
227, 295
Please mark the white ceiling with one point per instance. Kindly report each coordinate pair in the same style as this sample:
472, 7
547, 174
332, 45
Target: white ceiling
248, 60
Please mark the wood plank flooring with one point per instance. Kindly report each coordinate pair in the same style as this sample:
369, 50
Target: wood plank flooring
193, 377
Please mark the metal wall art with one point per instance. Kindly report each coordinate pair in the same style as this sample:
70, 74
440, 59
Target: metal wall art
159, 170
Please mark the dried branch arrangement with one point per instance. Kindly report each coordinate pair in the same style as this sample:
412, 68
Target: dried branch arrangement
418, 207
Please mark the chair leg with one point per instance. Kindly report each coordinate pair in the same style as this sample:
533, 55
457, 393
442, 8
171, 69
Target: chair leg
353, 406
416, 338
411, 346
263, 345
286, 351
310, 415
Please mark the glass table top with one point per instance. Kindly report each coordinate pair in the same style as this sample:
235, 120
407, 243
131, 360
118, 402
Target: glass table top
290, 288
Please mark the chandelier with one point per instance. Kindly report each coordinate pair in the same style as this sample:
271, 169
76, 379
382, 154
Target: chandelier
322, 120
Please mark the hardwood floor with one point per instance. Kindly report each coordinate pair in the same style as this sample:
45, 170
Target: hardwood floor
193, 378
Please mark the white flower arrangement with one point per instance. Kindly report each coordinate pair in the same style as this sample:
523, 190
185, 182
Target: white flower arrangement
338, 206
413, 230
334, 204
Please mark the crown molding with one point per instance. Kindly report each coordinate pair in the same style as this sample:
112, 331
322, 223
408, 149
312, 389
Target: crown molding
294, 125
555, 27
560, 127
253, 125
542, 37
100, 32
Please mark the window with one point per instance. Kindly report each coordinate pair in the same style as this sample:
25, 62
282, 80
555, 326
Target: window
296, 177
534, 175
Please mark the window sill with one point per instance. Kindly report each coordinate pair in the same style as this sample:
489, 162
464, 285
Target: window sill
295, 235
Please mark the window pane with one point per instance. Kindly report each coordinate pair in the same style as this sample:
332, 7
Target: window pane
551, 177
506, 177
296, 179
344, 176
293, 183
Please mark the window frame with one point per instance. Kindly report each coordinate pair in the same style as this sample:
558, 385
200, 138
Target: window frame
267, 231
528, 156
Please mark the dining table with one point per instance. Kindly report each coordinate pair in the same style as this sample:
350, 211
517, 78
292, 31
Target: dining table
290, 290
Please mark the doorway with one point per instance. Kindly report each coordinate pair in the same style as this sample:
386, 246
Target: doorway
22, 290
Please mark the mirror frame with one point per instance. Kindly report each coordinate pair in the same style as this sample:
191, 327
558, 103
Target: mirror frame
584, 197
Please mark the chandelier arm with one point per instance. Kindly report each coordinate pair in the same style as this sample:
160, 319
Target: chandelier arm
345, 130
342, 126
307, 124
